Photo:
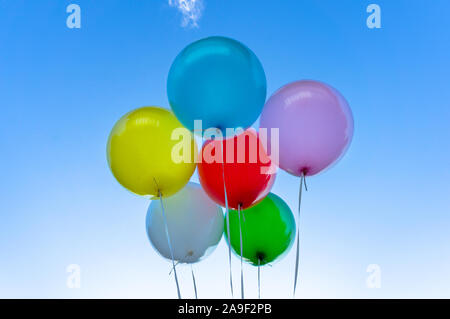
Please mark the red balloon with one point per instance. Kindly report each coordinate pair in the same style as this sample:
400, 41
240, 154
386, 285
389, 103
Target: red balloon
249, 172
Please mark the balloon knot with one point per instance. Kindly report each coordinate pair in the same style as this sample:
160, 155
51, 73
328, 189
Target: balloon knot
260, 256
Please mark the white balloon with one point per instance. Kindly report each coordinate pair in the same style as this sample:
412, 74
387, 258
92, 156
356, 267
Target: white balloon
194, 221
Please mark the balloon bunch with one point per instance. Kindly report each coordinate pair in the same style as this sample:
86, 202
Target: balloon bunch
217, 89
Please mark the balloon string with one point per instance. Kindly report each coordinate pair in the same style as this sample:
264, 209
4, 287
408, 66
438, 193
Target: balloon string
227, 220
259, 278
242, 265
302, 181
193, 280
170, 244
176, 264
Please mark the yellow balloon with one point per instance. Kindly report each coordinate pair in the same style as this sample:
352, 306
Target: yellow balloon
149, 151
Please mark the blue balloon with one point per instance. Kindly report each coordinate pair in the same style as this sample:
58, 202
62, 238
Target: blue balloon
217, 80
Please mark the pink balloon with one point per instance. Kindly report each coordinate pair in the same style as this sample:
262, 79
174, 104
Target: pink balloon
315, 126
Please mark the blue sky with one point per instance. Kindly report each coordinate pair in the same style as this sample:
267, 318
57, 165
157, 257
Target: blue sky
61, 91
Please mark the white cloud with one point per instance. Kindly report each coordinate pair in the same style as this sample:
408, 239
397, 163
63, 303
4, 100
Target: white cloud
190, 9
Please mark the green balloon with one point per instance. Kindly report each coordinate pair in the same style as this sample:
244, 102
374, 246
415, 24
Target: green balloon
268, 230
